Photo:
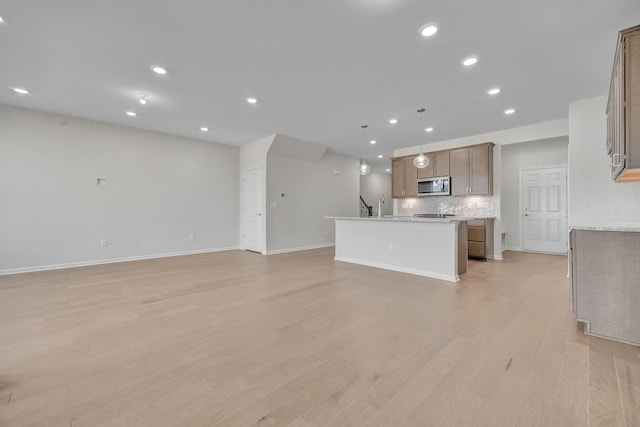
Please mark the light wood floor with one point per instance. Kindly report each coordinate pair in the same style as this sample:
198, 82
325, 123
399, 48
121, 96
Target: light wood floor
239, 339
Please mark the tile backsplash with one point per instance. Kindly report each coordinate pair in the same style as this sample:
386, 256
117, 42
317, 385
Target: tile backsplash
458, 205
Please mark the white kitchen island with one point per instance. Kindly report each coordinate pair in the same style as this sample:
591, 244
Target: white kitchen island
423, 246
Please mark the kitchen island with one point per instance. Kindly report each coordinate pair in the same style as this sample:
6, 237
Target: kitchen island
431, 247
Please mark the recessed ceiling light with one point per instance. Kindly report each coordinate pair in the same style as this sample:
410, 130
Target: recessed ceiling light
427, 30
252, 100
131, 114
393, 121
388, 170
1, 19
204, 129
373, 141
143, 98
159, 70
429, 129
380, 156
471, 60
494, 91
509, 111
21, 91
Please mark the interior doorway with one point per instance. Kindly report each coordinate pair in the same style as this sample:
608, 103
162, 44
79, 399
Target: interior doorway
544, 209
252, 209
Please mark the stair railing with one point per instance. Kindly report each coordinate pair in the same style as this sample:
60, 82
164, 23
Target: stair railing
365, 209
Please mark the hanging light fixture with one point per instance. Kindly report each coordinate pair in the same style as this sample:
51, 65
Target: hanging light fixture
364, 167
421, 161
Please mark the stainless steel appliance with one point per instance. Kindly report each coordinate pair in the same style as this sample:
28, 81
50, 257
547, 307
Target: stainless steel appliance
434, 186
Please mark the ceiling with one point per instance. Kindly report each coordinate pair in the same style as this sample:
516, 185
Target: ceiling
319, 69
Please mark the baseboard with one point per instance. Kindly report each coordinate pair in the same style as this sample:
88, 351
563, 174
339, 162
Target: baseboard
424, 273
517, 249
498, 257
302, 248
110, 261
587, 331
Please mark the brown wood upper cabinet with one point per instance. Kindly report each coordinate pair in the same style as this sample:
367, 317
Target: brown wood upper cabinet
472, 170
623, 109
438, 165
404, 177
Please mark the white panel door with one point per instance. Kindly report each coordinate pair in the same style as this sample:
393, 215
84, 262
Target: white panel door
544, 210
252, 209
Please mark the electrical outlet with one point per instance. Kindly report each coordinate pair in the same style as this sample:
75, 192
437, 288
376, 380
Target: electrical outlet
391, 248
326, 232
274, 205
104, 243
192, 236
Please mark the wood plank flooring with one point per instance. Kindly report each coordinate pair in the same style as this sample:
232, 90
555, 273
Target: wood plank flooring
239, 339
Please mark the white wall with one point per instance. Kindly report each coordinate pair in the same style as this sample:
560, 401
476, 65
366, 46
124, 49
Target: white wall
593, 197
549, 152
312, 190
374, 184
160, 190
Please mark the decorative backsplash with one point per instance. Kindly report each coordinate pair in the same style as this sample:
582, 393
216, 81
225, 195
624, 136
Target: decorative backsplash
457, 205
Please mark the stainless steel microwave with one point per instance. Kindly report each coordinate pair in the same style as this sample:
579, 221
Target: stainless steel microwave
439, 186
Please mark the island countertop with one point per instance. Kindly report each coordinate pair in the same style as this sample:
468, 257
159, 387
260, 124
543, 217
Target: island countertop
631, 226
401, 218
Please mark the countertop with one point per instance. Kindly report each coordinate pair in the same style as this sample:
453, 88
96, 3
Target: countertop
400, 218
478, 217
608, 226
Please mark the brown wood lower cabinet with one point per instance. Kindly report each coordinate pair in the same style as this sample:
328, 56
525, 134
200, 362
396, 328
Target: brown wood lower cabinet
480, 238
605, 285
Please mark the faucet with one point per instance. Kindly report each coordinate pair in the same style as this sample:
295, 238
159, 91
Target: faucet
380, 203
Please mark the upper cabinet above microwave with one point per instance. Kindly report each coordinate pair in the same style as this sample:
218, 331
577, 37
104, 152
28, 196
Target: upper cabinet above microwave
438, 165
623, 109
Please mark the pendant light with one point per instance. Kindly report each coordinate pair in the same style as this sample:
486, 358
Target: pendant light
421, 161
364, 167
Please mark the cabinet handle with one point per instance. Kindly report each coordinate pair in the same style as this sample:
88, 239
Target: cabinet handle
613, 159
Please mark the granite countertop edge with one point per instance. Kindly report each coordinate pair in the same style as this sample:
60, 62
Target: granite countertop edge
400, 219
610, 226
